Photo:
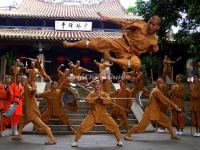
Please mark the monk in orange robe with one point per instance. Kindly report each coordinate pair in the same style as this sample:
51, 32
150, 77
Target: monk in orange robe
77, 70
153, 112
195, 100
98, 101
32, 113
177, 97
33, 72
137, 78
41, 70
104, 75
167, 71
123, 92
4, 105
64, 86
140, 38
54, 105
16, 92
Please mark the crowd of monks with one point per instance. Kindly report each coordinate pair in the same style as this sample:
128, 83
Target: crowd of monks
20, 91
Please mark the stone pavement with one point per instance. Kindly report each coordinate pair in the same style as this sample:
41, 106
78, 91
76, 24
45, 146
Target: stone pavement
144, 141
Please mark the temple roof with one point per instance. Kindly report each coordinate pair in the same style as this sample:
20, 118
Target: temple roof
40, 9
53, 35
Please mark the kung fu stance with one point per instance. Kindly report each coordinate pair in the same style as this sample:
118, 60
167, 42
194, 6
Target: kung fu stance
123, 92
54, 105
153, 112
140, 38
98, 101
32, 113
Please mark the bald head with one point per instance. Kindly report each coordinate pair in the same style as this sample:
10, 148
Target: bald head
153, 24
156, 19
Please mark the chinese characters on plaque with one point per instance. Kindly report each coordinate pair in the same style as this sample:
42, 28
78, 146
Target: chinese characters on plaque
73, 26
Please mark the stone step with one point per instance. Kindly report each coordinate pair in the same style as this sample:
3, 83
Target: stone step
82, 116
78, 121
72, 133
95, 128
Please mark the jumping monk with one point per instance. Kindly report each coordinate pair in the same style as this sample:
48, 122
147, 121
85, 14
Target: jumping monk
123, 92
153, 112
195, 100
54, 105
140, 38
16, 92
32, 113
98, 101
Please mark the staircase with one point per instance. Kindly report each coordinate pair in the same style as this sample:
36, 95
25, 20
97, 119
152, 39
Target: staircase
76, 118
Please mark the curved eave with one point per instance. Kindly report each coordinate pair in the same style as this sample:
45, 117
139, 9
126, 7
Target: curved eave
54, 35
39, 9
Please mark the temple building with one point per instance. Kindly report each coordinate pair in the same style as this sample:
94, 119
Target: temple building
39, 27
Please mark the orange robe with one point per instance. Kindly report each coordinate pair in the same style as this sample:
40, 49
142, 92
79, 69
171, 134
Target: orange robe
42, 71
134, 42
138, 80
195, 100
64, 86
32, 113
4, 105
98, 114
153, 113
54, 106
32, 74
77, 71
124, 103
167, 71
177, 95
16, 95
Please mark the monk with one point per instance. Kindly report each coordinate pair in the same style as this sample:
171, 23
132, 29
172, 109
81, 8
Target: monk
153, 112
41, 70
98, 101
167, 71
16, 70
16, 92
54, 105
104, 75
32, 113
4, 105
123, 92
77, 70
177, 97
140, 38
64, 86
33, 72
137, 78
195, 100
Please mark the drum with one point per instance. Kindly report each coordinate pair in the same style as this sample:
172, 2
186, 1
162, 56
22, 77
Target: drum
70, 98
